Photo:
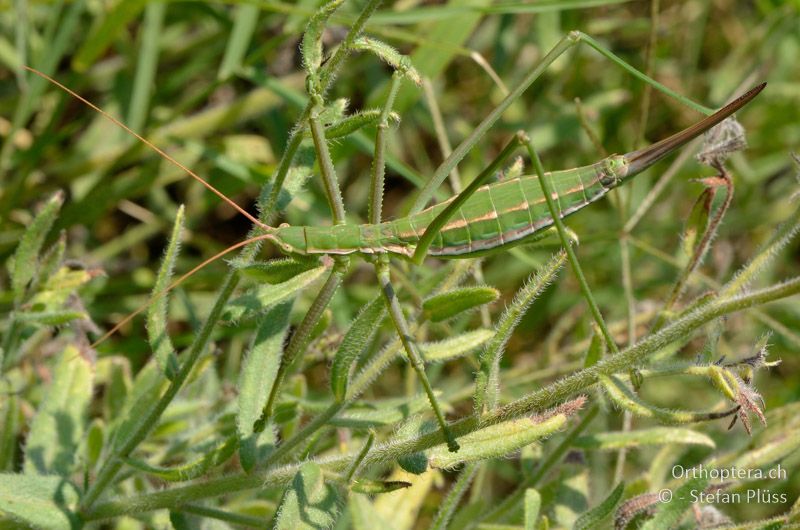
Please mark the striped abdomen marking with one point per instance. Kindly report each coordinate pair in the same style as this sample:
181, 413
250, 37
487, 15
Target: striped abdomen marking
506, 212
499, 214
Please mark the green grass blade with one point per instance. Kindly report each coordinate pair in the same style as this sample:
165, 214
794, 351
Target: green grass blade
146, 65
245, 20
102, 35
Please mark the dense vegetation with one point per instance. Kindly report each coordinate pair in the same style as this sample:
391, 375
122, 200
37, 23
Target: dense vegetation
271, 391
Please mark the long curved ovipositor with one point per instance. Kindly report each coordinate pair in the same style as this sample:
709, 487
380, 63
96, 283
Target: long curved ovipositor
500, 214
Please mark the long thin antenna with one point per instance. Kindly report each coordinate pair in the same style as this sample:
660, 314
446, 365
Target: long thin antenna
149, 144
176, 283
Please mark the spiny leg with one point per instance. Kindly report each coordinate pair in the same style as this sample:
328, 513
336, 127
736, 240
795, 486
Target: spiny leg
382, 268
566, 43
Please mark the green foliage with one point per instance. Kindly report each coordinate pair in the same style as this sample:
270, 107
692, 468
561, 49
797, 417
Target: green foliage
447, 305
39, 501
163, 350
308, 502
60, 421
596, 515
270, 390
355, 341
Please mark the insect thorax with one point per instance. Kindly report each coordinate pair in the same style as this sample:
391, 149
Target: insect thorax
613, 170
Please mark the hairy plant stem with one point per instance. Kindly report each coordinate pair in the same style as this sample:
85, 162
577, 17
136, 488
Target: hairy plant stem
111, 466
450, 502
531, 403
115, 461
414, 356
547, 189
378, 161
700, 251
329, 179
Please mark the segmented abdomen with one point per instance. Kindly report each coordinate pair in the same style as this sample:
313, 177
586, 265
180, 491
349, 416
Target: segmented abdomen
496, 215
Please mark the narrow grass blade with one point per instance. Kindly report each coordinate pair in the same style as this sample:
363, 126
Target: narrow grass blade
59, 424
245, 20
102, 35
147, 63
157, 313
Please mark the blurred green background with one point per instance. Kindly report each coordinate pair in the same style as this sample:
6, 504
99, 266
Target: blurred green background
219, 86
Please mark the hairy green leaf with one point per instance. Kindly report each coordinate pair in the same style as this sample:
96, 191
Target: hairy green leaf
59, 424
355, 341
308, 503
373, 487
533, 503
399, 62
455, 347
654, 436
596, 515
447, 305
260, 368
46, 502
504, 438
276, 271
257, 300
311, 47
190, 470
157, 334
26, 257
376, 413
488, 379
